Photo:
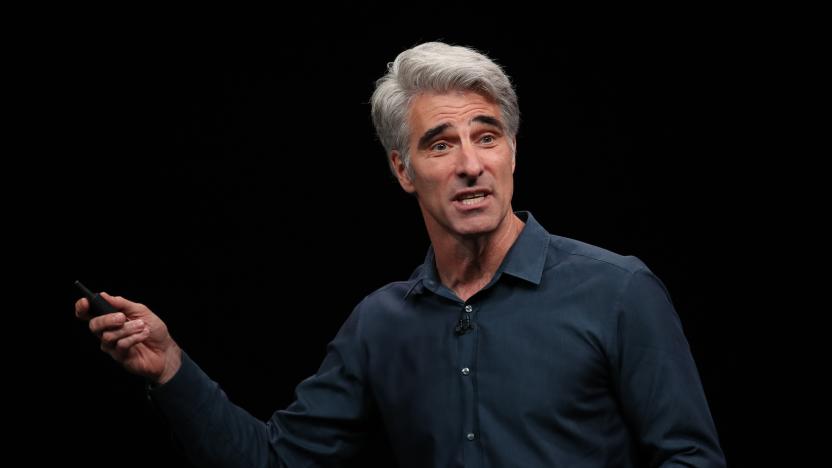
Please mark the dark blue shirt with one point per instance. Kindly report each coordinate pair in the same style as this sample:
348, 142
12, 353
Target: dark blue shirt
571, 356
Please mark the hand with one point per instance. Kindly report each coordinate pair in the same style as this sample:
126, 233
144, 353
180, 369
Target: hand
135, 337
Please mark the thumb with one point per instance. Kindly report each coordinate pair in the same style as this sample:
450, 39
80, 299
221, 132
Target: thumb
132, 310
118, 302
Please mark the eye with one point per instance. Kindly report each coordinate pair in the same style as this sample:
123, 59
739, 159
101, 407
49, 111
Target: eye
439, 147
488, 139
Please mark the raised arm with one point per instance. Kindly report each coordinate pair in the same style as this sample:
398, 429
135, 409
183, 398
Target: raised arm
327, 424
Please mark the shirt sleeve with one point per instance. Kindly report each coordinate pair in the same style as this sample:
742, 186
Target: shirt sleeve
657, 380
324, 426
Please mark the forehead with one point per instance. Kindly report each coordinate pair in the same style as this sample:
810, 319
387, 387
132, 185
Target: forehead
455, 107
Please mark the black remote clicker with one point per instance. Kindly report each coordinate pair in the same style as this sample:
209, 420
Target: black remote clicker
98, 306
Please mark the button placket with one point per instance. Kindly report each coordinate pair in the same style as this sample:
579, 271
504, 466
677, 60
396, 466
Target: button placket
467, 333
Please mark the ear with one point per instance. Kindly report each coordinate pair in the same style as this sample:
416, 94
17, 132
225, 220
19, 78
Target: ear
514, 155
401, 173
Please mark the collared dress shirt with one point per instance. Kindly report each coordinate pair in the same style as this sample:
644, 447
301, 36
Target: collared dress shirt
571, 356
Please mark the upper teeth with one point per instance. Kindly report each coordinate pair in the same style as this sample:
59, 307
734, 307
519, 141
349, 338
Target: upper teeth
471, 199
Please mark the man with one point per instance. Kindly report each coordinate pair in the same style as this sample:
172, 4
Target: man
512, 347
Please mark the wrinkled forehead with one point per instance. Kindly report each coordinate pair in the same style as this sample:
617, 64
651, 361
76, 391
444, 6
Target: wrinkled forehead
453, 108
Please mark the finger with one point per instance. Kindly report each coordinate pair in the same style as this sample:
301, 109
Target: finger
82, 308
130, 308
118, 302
106, 322
123, 345
110, 338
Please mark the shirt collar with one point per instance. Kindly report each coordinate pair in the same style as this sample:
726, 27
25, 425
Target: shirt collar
525, 259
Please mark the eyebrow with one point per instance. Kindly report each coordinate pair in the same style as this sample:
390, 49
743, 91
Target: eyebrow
488, 120
428, 135
431, 133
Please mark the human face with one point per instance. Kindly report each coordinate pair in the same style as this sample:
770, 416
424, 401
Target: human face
462, 163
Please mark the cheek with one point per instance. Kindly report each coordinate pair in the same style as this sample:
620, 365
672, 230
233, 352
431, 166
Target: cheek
427, 187
505, 170
507, 179
434, 179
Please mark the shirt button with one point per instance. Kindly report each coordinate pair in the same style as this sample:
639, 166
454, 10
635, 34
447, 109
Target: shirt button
471, 436
468, 308
466, 371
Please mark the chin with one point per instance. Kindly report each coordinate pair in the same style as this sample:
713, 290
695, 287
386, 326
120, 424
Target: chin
475, 227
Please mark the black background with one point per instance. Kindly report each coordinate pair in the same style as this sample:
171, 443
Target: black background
232, 182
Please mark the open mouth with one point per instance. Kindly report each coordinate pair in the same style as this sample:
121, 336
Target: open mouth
472, 198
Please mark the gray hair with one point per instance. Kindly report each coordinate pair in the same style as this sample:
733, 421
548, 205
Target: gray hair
438, 67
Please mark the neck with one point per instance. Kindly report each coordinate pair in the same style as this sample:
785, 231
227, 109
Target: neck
467, 263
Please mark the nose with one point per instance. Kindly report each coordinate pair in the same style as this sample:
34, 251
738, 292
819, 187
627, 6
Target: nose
469, 165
